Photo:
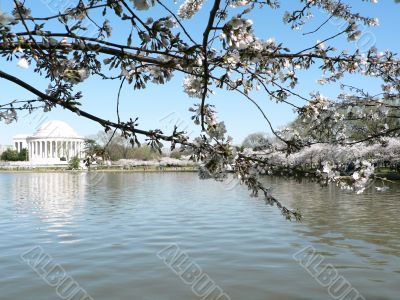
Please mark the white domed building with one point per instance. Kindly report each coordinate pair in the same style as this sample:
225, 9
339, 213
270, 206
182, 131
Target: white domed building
54, 143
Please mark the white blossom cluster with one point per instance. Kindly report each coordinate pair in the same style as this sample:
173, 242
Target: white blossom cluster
142, 4
358, 181
361, 178
387, 150
239, 33
163, 161
23, 63
193, 86
70, 71
8, 116
332, 160
189, 8
319, 104
75, 75
157, 74
5, 19
238, 3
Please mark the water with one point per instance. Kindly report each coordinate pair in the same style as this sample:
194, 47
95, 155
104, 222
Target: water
106, 229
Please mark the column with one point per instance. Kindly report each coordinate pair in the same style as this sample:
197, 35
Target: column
45, 149
38, 149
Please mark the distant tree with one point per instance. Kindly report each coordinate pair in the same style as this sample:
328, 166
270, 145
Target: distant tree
175, 154
143, 153
115, 146
256, 141
179, 152
14, 155
23, 154
74, 163
10, 155
93, 152
360, 121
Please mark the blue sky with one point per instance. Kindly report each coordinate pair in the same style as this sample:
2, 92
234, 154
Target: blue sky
161, 106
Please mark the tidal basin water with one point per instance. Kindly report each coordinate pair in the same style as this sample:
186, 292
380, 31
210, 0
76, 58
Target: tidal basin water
105, 230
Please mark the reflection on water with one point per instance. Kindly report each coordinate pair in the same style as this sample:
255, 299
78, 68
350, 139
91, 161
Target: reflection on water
105, 229
53, 194
333, 215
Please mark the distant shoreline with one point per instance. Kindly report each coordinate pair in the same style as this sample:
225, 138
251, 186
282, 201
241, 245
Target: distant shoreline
390, 175
138, 169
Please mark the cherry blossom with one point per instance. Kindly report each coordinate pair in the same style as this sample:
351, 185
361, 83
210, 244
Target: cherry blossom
23, 63
351, 126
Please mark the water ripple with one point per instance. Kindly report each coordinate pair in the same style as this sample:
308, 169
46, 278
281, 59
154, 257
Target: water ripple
106, 234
